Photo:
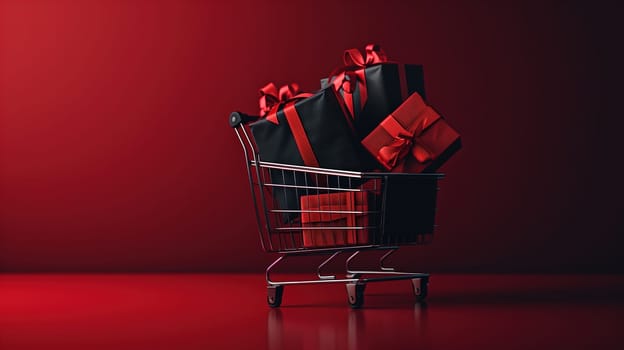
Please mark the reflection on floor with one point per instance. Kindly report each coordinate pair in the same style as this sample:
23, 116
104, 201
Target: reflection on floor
225, 311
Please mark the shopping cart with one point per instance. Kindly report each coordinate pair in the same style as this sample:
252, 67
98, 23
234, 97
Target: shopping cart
303, 211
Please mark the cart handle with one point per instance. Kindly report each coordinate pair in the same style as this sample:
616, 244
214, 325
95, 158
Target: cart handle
238, 118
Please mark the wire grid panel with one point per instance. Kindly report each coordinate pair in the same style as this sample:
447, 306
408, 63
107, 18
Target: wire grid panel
303, 208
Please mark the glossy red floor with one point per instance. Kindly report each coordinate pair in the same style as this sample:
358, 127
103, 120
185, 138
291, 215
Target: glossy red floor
224, 311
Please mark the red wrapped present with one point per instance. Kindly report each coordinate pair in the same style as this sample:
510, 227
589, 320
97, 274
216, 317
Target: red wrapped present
412, 139
331, 219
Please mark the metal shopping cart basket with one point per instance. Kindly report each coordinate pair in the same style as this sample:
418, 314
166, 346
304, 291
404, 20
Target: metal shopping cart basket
304, 211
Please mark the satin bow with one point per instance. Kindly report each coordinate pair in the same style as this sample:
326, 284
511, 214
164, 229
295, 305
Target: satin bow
405, 141
352, 73
373, 55
271, 99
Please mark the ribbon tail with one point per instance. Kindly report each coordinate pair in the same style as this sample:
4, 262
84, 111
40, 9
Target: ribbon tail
348, 98
353, 57
361, 77
301, 138
421, 154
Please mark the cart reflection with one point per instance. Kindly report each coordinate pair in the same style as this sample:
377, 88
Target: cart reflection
320, 328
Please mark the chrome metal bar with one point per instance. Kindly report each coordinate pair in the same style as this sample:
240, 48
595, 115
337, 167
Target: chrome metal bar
283, 239
295, 228
250, 143
314, 187
351, 280
381, 261
260, 189
350, 259
318, 270
323, 211
382, 270
348, 262
251, 185
290, 282
339, 172
307, 169
389, 273
393, 276
268, 269
315, 251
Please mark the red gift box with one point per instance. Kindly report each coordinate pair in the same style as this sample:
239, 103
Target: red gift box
413, 139
330, 219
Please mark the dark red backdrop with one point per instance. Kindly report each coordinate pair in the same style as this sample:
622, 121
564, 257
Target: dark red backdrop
115, 154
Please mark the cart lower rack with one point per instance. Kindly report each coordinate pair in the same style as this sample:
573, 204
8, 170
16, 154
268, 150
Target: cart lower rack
303, 211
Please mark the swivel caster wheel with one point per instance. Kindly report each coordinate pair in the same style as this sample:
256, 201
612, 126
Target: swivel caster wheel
420, 286
355, 293
274, 295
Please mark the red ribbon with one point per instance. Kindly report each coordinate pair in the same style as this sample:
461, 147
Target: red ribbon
374, 54
271, 99
300, 136
406, 140
352, 73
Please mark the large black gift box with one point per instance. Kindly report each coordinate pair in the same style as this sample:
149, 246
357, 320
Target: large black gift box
326, 126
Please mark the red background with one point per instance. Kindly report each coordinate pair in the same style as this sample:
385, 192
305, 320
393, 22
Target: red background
115, 154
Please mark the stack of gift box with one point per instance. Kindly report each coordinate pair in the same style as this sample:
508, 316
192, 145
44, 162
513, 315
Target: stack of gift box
369, 115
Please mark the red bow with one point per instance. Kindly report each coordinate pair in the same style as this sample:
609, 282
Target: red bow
406, 140
271, 99
352, 73
374, 54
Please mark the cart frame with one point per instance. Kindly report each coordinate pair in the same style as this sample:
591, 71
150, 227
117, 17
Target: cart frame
355, 280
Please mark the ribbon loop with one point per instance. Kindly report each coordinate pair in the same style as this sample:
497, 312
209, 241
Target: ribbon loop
271, 99
352, 75
406, 140
268, 98
373, 55
353, 57
288, 91
391, 154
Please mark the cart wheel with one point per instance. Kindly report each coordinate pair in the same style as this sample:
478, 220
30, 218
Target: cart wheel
355, 292
274, 295
420, 288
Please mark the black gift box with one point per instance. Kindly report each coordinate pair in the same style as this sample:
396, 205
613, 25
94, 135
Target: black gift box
409, 214
383, 85
329, 132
